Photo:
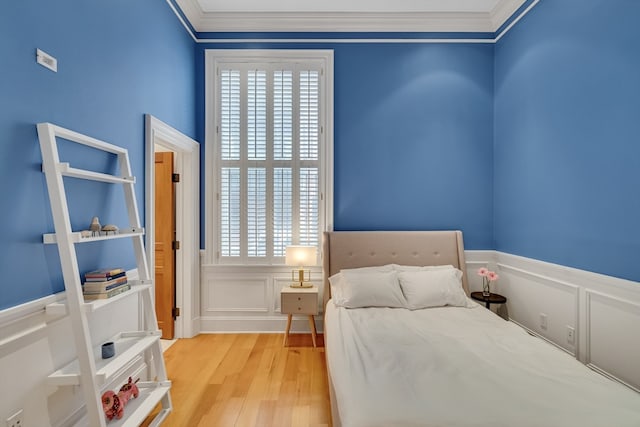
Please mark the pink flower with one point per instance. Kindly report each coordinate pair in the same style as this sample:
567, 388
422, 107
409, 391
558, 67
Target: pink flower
492, 277
483, 272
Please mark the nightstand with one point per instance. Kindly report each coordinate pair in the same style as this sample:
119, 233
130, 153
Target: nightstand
491, 299
299, 301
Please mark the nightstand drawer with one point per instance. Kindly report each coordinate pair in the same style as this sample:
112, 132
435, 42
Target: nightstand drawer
299, 303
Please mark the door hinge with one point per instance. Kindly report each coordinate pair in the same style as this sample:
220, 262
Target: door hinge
175, 177
175, 312
175, 245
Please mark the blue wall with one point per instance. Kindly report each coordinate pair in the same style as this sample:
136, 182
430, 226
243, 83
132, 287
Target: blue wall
117, 60
530, 147
413, 135
567, 123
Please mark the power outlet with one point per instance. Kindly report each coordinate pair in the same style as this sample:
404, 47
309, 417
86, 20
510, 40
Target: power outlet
571, 335
16, 420
543, 321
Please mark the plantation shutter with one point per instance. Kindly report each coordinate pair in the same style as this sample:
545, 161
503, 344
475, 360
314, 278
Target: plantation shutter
269, 167
230, 154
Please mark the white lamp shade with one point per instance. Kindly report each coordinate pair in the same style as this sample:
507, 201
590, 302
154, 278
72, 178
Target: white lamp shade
300, 255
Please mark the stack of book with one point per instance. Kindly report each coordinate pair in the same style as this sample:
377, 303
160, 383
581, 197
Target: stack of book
105, 283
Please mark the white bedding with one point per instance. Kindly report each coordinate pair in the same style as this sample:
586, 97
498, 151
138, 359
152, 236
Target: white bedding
455, 367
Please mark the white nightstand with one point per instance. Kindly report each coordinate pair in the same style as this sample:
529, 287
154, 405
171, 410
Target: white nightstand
299, 301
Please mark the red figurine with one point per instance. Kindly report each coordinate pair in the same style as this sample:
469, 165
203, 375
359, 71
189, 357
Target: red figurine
113, 404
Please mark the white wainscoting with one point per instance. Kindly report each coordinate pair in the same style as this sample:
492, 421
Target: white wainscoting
613, 337
603, 310
531, 295
34, 344
247, 299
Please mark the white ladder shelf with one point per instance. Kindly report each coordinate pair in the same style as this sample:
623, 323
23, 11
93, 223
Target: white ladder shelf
89, 370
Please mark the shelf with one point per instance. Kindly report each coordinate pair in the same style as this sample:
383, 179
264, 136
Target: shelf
138, 409
138, 351
128, 345
76, 236
59, 308
66, 170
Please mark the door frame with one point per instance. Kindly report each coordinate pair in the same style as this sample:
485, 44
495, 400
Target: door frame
187, 199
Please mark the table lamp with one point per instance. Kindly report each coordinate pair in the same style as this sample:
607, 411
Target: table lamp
300, 256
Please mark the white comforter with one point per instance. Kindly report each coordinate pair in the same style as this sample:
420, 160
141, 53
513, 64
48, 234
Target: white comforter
454, 366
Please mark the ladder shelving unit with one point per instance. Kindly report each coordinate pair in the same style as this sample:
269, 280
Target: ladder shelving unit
89, 370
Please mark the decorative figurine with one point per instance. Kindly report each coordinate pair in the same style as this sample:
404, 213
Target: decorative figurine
113, 404
95, 226
110, 228
85, 233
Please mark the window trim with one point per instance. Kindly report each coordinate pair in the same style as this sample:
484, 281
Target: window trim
216, 57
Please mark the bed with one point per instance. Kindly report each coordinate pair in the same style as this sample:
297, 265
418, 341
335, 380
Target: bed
445, 363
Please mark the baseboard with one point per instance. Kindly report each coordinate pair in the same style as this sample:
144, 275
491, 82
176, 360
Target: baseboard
256, 324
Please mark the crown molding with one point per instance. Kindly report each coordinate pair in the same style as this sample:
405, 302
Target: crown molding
343, 22
503, 11
192, 11
446, 22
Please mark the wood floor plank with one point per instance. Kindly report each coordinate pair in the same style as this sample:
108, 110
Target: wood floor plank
248, 380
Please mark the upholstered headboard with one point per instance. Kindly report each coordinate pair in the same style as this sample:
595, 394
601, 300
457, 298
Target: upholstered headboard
353, 249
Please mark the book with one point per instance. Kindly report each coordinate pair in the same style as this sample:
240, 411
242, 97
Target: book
105, 278
100, 291
106, 281
104, 274
108, 294
94, 287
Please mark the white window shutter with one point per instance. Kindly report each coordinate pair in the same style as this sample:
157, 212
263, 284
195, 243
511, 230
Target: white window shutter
257, 115
230, 112
309, 117
282, 210
282, 115
269, 165
256, 212
308, 215
230, 212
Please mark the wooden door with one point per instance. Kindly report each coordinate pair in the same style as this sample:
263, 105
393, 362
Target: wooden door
165, 216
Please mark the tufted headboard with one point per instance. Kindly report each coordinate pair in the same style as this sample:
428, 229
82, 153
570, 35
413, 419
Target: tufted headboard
353, 249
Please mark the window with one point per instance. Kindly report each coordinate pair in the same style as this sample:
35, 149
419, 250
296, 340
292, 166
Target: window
271, 154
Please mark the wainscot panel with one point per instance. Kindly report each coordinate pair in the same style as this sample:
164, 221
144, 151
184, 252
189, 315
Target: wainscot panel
247, 299
613, 323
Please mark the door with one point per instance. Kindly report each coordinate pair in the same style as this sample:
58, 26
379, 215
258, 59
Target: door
165, 259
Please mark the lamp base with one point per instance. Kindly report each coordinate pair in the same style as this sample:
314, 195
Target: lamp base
301, 285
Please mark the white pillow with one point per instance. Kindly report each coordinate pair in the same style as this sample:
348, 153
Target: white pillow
337, 281
432, 288
356, 289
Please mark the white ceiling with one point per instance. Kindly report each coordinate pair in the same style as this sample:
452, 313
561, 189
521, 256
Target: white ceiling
348, 15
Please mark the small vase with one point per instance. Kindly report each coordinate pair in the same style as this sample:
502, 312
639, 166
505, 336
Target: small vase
486, 292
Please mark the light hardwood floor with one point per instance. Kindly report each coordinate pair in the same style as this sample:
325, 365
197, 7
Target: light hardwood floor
244, 380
